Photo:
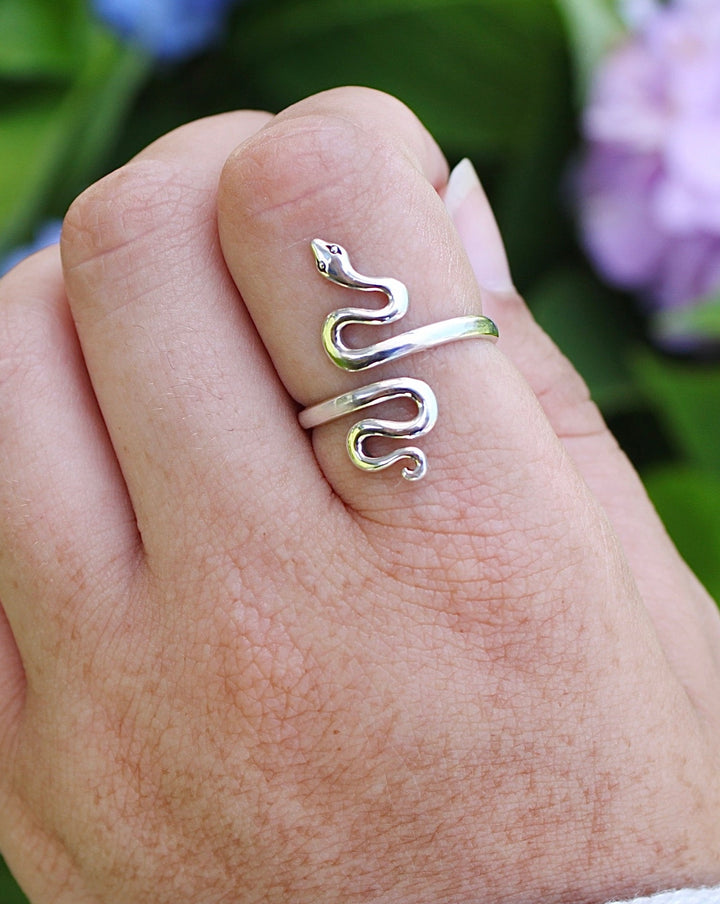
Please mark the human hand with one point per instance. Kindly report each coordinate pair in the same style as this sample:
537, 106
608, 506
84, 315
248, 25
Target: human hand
235, 668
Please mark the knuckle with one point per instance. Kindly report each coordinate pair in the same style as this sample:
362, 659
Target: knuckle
565, 395
130, 207
26, 318
382, 116
558, 386
15, 362
305, 163
359, 100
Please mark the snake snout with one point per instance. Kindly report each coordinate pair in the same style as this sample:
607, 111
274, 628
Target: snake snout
329, 259
321, 250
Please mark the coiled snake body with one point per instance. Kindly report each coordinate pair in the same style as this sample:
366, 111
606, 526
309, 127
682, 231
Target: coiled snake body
333, 262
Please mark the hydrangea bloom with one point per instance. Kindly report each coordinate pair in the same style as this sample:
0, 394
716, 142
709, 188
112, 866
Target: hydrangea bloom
47, 234
169, 29
650, 181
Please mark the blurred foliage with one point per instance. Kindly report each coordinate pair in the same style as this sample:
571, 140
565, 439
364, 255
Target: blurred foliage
702, 319
9, 892
65, 87
497, 80
687, 500
593, 27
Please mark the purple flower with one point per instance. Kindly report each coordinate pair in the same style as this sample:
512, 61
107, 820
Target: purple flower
168, 29
47, 234
650, 182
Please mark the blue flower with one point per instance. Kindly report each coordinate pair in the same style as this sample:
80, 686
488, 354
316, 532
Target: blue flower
47, 234
168, 29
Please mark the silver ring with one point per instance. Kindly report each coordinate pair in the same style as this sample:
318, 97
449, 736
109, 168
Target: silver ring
334, 264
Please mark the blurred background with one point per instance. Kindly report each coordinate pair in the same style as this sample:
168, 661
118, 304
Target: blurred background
594, 125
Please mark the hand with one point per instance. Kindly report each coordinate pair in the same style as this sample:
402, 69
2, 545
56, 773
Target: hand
235, 668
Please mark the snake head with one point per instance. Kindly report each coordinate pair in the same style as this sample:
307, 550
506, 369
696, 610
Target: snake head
330, 259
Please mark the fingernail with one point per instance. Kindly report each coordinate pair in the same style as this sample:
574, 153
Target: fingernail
472, 215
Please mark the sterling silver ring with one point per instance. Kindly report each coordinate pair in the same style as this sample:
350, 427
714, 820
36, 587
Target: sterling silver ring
334, 264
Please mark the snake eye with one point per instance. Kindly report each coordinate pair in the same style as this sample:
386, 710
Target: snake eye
322, 266
334, 249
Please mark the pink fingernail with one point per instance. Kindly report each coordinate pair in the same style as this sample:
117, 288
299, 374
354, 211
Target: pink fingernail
472, 215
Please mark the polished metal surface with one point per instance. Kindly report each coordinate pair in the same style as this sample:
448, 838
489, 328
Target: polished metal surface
373, 394
334, 264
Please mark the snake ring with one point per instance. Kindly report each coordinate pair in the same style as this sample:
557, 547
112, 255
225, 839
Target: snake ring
334, 264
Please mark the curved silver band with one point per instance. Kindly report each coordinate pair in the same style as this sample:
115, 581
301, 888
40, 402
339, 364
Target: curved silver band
420, 339
364, 397
333, 263
374, 394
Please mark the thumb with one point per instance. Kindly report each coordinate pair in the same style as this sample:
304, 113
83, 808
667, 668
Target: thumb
684, 615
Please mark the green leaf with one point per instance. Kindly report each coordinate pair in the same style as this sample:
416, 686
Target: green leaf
688, 501
686, 398
9, 891
114, 75
593, 327
31, 145
526, 194
593, 26
41, 37
701, 321
474, 70
53, 137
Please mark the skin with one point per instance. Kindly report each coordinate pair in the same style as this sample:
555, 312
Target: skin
235, 668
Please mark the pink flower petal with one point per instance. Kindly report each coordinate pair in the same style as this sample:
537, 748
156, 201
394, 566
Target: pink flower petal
649, 190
